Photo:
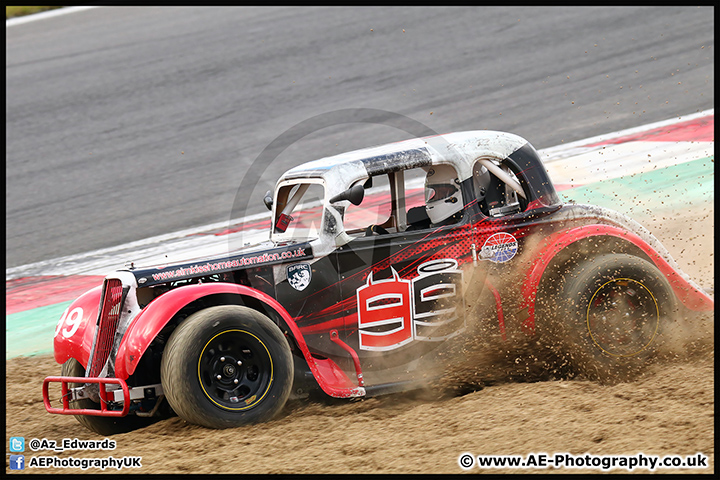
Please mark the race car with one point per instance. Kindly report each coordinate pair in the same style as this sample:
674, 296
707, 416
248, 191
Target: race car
377, 260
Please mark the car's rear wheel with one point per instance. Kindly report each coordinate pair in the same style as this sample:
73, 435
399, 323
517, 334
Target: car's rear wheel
612, 310
227, 366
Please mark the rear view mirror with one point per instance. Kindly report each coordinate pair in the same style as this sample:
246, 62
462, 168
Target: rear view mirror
354, 194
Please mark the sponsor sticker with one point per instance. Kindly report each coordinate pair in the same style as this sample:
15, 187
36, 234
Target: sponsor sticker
299, 276
282, 255
499, 248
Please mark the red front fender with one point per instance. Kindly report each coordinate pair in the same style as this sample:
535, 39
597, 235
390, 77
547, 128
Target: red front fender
686, 293
148, 323
76, 328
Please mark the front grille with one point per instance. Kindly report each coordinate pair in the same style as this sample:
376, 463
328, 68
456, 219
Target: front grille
107, 325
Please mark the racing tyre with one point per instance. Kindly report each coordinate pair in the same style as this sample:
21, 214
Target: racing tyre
613, 308
100, 425
227, 366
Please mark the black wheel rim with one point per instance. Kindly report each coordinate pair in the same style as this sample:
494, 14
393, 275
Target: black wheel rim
235, 370
623, 317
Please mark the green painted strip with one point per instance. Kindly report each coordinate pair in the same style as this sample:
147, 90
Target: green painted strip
677, 186
31, 332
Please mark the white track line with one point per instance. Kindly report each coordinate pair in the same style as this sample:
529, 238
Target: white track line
42, 15
608, 162
574, 148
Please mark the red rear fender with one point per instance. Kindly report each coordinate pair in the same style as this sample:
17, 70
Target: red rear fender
687, 293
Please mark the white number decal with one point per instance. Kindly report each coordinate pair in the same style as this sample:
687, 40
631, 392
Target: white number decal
62, 320
71, 321
427, 308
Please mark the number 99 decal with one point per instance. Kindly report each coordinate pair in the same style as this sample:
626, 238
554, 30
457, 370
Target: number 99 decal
393, 312
70, 320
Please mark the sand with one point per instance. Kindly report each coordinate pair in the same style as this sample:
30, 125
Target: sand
669, 410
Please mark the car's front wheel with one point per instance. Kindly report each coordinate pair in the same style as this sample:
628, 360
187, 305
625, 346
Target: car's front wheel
227, 366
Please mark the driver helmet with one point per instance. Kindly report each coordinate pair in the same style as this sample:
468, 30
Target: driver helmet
442, 193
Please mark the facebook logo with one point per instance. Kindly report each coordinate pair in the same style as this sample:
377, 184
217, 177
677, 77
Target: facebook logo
17, 444
17, 462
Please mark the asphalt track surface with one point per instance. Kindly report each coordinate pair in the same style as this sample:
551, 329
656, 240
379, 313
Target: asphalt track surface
125, 123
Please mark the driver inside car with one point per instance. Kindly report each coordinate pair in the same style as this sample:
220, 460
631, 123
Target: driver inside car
443, 199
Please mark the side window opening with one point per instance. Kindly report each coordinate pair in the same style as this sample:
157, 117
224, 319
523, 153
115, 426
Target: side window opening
299, 210
375, 209
413, 199
497, 189
416, 216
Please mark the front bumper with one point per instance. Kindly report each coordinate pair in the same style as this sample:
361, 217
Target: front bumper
106, 397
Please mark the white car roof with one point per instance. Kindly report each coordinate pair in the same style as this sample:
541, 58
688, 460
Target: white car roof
459, 149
